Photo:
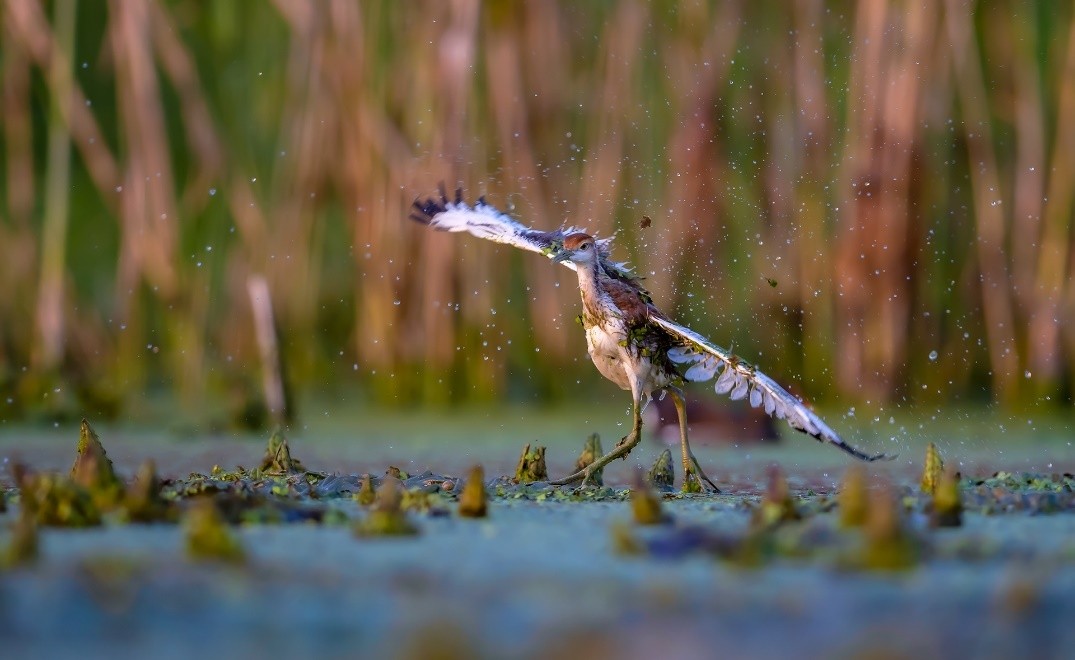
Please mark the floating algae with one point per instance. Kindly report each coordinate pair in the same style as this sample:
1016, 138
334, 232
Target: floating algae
208, 536
531, 466
473, 500
662, 475
387, 517
591, 451
931, 474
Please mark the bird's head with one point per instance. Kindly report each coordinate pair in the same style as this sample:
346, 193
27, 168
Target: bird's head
579, 248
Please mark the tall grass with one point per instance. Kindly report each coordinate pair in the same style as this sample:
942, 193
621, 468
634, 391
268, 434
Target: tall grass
904, 173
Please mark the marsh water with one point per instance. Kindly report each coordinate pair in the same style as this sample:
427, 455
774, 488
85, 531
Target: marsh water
543, 576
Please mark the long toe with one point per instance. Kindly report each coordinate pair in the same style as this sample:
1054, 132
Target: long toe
694, 476
568, 480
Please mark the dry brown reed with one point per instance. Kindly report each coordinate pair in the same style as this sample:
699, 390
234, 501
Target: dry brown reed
904, 172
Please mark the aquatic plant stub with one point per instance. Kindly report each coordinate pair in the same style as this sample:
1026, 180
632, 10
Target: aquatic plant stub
645, 504
888, 546
934, 468
387, 517
93, 469
531, 466
366, 494
852, 499
473, 502
208, 536
23, 546
946, 509
777, 506
591, 451
278, 459
662, 475
143, 501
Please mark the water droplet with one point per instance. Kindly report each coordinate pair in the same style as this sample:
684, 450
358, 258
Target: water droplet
212, 191
933, 356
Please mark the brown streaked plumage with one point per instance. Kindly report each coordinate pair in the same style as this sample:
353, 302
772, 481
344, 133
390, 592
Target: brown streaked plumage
630, 342
626, 347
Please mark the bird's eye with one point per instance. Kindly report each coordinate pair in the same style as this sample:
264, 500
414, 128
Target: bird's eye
584, 246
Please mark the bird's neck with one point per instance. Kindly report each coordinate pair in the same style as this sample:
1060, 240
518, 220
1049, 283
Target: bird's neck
594, 299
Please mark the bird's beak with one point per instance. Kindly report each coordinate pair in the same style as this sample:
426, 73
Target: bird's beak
561, 255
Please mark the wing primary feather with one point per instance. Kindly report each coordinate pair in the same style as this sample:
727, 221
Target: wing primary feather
484, 220
742, 380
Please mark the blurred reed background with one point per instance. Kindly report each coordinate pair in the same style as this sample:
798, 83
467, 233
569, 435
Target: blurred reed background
903, 173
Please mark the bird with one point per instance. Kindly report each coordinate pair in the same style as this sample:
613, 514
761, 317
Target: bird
630, 341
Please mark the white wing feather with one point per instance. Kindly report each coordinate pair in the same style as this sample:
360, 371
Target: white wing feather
741, 380
485, 221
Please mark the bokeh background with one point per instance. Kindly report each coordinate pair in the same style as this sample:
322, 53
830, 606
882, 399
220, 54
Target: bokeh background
205, 203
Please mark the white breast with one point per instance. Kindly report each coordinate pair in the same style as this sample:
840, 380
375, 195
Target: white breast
614, 362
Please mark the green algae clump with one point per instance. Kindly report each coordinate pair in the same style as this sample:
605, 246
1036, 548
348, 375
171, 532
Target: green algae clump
208, 536
662, 475
56, 501
931, 474
473, 502
591, 451
531, 466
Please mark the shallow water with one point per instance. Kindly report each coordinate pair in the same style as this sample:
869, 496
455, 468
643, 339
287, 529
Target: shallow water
543, 578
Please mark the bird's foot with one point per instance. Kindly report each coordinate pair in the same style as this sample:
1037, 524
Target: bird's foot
695, 479
623, 447
582, 475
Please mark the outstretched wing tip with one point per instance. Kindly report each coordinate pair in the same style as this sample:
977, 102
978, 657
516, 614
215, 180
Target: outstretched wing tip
742, 381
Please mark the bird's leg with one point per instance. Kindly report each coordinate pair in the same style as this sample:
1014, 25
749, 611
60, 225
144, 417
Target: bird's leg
623, 447
692, 472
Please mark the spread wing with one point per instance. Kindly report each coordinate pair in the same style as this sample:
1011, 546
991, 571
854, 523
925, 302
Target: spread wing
486, 221
705, 360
